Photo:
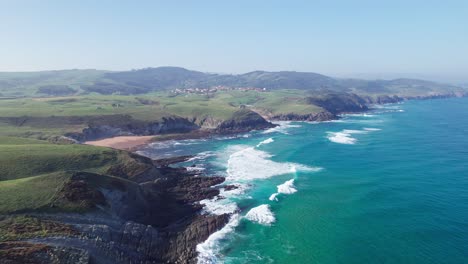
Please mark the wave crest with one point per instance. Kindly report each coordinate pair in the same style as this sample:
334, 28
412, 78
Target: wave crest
261, 214
250, 164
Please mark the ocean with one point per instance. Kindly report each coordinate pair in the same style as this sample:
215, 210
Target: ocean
386, 186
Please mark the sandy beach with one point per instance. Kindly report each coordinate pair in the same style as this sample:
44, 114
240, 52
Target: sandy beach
122, 142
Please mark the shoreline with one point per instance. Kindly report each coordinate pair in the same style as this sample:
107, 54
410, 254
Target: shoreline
133, 143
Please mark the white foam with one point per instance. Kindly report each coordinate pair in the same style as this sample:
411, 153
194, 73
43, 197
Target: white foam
353, 131
207, 251
372, 129
287, 187
266, 141
341, 138
202, 155
282, 127
360, 115
219, 206
273, 197
344, 136
196, 168
250, 164
261, 214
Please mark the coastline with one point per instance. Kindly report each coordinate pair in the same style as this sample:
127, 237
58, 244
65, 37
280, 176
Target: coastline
133, 143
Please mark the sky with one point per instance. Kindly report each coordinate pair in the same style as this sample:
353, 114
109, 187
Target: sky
348, 38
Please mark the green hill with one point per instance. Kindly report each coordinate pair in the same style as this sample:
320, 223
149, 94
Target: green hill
67, 82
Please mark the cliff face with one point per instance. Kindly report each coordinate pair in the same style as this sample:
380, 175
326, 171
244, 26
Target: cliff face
125, 125
383, 99
243, 121
340, 103
144, 214
320, 116
111, 126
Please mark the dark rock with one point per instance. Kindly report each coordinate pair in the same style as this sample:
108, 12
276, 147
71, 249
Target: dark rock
320, 116
168, 161
230, 187
244, 121
337, 103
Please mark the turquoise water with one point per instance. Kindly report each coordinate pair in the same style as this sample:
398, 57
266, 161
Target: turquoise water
390, 186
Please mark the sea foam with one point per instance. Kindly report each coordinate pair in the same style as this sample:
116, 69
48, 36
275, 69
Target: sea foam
266, 141
344, 136
341, 138
282, 127
261, 214
208, 250
286, 188
219, 206
250, 164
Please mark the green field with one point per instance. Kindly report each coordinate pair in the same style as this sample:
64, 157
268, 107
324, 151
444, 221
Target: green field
39, 117
32, 172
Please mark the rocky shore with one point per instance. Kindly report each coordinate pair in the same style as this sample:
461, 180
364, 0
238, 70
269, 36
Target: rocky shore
152, 217
146, 211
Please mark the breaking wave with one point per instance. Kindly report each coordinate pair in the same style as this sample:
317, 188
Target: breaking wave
282, 127
261, 214
345, 136
266, 141
286, 188
208, 250
250, 164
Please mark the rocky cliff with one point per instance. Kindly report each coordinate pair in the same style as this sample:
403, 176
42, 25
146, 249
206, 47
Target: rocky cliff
123, 125
319, 117
243, 120
141, 214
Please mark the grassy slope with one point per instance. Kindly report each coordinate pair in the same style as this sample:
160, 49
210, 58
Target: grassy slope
31, 157
30, 193
33, 171
220, 106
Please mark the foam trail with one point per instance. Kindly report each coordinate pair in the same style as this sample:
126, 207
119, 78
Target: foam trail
344, 136
261, 214
266, 141
208, 249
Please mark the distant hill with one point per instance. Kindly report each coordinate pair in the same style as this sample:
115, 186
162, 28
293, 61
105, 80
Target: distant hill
167, 78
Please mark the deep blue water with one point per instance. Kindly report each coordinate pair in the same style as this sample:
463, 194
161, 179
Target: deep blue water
390, 186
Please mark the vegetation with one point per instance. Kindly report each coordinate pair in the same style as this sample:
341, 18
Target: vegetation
30, 193
22, 227
34, 174
165, 78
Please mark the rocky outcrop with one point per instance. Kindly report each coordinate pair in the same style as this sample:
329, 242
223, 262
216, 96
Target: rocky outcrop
243, 120
126, 125
168, 161
155, 218
337, 103
383, 99
320, 116
105, 242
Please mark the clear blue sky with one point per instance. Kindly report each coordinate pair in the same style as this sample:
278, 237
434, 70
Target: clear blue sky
339, 38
